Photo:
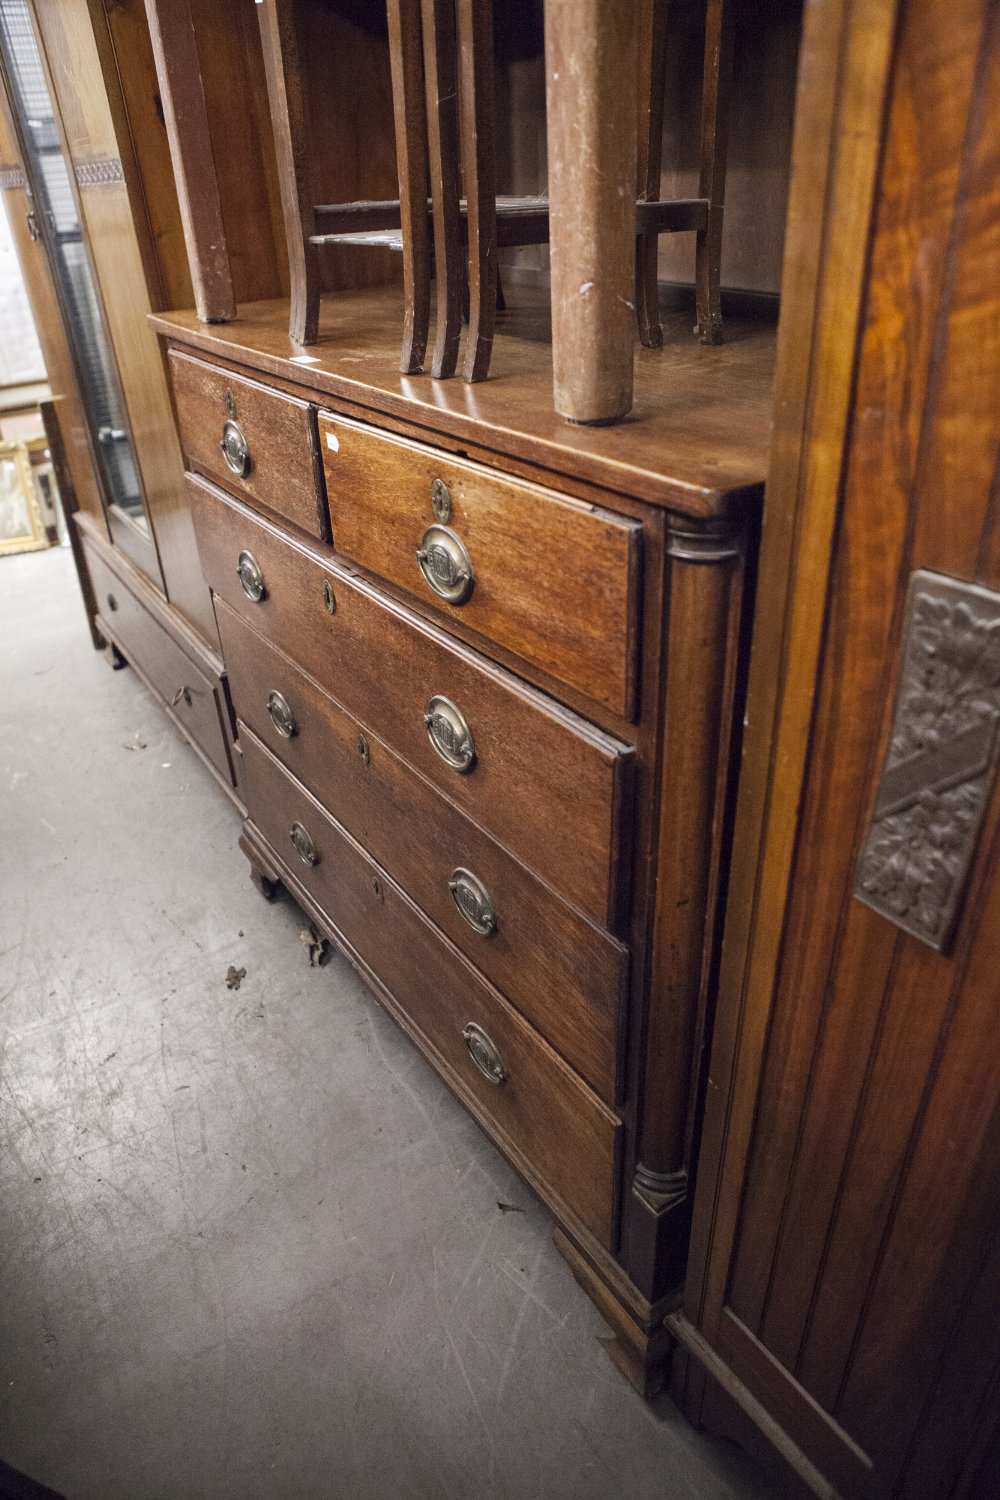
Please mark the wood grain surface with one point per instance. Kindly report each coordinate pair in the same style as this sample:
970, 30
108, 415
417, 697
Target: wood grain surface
696, 441
565, 975
853, 1230
279, 430
555, 582
546, 784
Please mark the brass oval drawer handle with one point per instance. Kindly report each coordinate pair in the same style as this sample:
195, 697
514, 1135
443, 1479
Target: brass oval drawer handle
250, 576
448, 731
484, 1054
445, 564
304, 846
282, 717
236, 450
473, 901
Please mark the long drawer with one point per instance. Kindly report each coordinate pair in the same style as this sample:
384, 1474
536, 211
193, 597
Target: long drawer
554, 581
258, 442
567, 976
531, 1098
193, 698
544, 783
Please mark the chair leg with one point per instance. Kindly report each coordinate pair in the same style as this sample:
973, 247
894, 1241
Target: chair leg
714, 146
590, 54
406, 53
441, 84
652, 46
475, 59
286, 98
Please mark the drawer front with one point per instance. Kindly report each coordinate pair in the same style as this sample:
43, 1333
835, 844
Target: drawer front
282, 472
565, 975
545, 784
554, 581
192, 697
542, 1108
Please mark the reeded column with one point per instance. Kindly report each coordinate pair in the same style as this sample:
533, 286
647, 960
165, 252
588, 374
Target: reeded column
703, 631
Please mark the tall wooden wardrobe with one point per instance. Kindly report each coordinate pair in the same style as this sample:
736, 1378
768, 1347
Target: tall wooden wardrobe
841, 1293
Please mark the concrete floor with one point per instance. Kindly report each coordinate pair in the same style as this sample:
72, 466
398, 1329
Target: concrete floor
249, 1245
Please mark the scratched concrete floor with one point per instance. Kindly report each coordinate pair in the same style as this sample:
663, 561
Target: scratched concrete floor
249, 1245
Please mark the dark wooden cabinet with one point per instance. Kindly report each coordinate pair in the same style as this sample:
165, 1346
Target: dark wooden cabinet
844, 1276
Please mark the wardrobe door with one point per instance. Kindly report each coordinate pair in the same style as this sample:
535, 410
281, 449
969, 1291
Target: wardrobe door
844, 1288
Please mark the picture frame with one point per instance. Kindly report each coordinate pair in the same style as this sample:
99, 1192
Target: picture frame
21, 528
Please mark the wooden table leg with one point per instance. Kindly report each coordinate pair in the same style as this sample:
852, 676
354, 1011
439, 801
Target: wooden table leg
714, 146
441, 84
406, 53
475, 60
590, 65
178, 73
286, 98
652, 63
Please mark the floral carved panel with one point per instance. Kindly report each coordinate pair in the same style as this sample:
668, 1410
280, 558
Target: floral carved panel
941, 761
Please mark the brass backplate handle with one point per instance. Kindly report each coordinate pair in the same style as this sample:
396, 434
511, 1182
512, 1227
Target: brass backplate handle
304, 846
445, 564
484, 1054
236, 450
250, 576
440, 501
281, 714
473, 901
448, 731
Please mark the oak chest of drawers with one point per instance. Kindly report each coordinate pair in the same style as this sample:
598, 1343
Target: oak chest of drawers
485, 709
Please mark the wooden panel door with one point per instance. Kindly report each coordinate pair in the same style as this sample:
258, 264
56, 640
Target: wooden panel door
844, 1287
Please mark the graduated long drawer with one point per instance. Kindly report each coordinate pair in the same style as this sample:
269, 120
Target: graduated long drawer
547, 785
563, 973
533, 1099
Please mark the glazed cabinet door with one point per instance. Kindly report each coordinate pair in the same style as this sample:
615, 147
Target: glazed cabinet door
54, 221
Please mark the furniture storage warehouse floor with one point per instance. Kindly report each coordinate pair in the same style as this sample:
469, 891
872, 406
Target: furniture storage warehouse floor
249, 1245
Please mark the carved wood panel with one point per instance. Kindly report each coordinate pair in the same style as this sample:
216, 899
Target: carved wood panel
941, 760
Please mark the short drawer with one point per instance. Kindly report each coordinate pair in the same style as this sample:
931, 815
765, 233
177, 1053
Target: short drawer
193, 699
257, 442
552, 580
567, 976
537, 1104
548, 786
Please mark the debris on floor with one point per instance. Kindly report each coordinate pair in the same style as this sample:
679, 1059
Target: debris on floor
234, 977
316, 946
135, 743
509, 1208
